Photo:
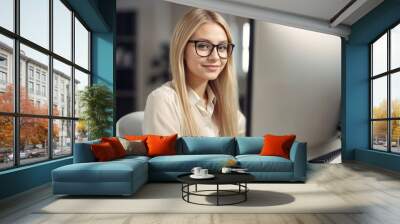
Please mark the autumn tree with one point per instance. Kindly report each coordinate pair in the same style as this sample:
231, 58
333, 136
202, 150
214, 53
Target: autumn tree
6, 122
380, 127
33, 131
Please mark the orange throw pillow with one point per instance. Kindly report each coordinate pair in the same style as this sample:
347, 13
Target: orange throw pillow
103, 151
277, 145
116, 145
136, 138
161, 145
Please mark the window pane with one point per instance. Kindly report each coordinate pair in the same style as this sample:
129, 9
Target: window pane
33, 139
81, 45
81, 81
379, 135
6, 74
35, 21
34, 79
395, 94
395, 47
379, 100
62, 29
7, 14
81, 131
379, 55
62, 89
395, 136
62, 138
6, 142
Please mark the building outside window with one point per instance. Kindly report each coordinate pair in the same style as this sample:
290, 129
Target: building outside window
37, 75
43, 90
30, 72
3, 61
30, 87
44, 77
3, 78
3, 72
38, 89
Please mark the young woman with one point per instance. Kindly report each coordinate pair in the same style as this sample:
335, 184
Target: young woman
202, 97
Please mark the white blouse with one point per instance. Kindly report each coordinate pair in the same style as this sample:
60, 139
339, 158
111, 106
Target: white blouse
162, 115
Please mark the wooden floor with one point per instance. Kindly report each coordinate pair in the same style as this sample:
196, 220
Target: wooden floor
378, 188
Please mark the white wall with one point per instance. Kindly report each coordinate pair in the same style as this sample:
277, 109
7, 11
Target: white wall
296, 85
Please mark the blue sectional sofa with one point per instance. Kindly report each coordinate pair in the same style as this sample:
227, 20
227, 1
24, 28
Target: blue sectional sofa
125, 176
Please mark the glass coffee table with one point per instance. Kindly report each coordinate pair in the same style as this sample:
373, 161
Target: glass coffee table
238, 179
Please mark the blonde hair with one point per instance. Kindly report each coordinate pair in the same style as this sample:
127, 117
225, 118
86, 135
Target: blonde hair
224, 87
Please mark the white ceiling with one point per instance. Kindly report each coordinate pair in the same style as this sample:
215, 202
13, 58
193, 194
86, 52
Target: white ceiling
313, 15
319, 9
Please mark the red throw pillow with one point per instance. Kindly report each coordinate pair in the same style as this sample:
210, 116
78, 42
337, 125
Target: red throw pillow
103, 151
161, 145
277, 145
116, 145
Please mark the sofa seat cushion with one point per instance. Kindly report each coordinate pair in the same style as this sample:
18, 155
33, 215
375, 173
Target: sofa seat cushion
185, 163
257, 163
112, 171
133, 158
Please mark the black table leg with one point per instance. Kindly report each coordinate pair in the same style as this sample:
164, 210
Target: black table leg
196, 188
217, 194
245, 193
188, 189
182, 189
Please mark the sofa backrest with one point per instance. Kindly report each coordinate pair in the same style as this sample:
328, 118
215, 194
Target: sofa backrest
190, 146
83, 152
206, 145
249, 145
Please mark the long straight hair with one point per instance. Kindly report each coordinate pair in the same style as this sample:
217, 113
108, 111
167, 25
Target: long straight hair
224, 86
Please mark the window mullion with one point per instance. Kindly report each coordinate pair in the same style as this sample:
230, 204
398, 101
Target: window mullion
371, 145
16, 69
389, 77
73, 83
50, 81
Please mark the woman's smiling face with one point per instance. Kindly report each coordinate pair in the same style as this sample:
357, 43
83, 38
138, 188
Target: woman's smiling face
205, 68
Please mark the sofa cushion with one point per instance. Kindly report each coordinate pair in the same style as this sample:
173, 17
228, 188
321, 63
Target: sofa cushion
159, 145
111, 171
207, 145
103, 152
275, 145
116, 145
249, 145
134, 147
131, 158
185, 163
257, 163
83, 152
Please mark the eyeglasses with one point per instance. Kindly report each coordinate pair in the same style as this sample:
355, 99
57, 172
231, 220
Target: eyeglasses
205, 48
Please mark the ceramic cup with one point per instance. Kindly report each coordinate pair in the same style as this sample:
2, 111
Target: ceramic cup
226, 170
196, 171
203, 172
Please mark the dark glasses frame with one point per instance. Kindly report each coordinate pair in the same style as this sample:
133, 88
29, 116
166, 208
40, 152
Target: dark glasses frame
229, 54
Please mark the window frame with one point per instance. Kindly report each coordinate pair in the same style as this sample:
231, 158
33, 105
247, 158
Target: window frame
16, 114
388, 74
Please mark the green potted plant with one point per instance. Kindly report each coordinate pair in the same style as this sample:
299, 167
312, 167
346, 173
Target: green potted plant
96, 102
